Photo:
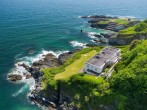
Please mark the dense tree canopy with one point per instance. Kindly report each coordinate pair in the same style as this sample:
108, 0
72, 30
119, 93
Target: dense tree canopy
142, 26
130, 78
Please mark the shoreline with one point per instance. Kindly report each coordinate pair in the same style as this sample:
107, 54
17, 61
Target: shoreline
34, 73
49, 60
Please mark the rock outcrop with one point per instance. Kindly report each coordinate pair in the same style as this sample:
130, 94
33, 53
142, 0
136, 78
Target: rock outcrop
63, 57
125, 40
28, 76
48, 61
25, 66
14, 77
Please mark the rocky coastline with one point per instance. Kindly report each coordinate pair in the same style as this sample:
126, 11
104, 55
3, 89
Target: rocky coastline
38, 96
55, 100
113, 25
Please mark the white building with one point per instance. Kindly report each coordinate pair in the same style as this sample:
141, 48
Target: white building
107, 57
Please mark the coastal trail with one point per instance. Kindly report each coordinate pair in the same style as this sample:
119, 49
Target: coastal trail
77, 65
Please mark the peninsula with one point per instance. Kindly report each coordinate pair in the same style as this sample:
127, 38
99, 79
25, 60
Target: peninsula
63, 83
122, 31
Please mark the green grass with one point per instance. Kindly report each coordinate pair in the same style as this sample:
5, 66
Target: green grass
130, 30
121, 21
76, 66
118, 21
138, 29
104, 22
75, 62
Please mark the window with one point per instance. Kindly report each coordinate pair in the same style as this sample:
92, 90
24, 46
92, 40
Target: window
87, 66
95, 69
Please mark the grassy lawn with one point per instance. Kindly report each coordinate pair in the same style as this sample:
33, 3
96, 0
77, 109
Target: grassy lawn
104, 22
77, 65
118, 21
121, 21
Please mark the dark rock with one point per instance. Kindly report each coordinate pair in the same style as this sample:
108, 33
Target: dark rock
49, 61
108, 35
25, 66
97, 35
28, 76
96, 25
132, 23
63, 57
125, 39
14, 77
95, 20
96, 40
35, 72
91, 45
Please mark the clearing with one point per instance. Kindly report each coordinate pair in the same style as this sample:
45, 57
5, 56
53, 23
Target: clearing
77, 65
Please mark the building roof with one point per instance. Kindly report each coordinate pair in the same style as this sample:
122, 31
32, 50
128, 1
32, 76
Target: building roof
98, 60
110, 50
105, 55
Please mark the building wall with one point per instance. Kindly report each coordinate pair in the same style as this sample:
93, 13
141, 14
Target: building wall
108, 63
93, 68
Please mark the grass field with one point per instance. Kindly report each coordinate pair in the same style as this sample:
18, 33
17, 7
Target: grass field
118, 21
76, 66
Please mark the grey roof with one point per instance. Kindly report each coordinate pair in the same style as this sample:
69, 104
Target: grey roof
110, 50
105, 55
98, 60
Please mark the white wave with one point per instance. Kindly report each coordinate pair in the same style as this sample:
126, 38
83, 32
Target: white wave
22, 71
119, 16
20, 91
78, 44
40, 56
84, 24
126, 17
19, 69
79, 16
89, 16
91, 34
29, 60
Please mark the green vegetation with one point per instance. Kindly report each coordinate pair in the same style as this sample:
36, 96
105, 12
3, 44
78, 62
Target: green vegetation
104, 22
138, 29
117, 21
88, 91
121, 21
128, 31
76, 66
130, 76
141, 27
125, 90
52, 74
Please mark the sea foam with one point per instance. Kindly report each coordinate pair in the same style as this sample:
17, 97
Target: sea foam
78, 44
22, 71
91, 34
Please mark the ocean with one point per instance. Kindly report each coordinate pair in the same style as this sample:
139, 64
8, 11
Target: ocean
31, 28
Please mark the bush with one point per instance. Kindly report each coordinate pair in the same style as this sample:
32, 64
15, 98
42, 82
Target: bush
141, 26
130, 78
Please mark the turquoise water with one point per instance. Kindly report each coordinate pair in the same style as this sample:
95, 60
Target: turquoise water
47, 25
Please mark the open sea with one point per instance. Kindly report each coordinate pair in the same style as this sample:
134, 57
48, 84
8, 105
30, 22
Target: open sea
31, 28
